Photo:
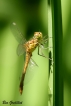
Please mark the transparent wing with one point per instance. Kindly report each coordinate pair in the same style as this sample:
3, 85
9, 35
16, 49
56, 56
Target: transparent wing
19, 37
16, 32
45, 39
31, 71
44, 42
32, 63
20, 49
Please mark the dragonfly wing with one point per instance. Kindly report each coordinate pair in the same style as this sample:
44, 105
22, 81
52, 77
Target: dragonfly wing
31, 71
20, 49
32, 63
45, 41
16, 32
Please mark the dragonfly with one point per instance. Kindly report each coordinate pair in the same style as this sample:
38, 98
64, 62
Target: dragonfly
28, 47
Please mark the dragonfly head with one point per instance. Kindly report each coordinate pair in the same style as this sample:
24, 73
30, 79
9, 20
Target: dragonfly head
38, 35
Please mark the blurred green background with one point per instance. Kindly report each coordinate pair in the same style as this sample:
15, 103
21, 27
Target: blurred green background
30, 16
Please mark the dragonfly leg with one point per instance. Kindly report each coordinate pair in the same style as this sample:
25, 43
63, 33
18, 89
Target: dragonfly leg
42, 46
43, 54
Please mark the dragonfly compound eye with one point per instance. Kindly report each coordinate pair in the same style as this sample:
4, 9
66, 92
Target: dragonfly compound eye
38, 35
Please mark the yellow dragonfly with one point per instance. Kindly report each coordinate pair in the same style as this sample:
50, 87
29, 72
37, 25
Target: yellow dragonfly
28, 47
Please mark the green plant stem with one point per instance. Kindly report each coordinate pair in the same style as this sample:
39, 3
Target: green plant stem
57, 42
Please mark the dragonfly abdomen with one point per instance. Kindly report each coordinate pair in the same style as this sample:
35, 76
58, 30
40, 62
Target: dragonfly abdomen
28, 56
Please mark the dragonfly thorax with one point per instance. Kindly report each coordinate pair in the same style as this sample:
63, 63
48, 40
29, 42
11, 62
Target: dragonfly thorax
38, 35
